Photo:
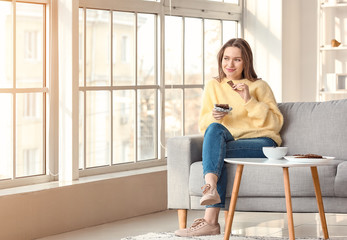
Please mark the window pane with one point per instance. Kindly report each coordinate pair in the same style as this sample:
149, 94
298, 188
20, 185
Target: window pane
193, 51
123, 48
98, 48
123, 126
6, 45
29, 134
98, 128
147, 124
146, 49
229, 30
81, 130
6, 139
192, 110
173, 112
173, 50
212, 46
29, 47
81, 47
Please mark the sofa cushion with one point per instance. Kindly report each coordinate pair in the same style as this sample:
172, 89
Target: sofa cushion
315, 128
258, 181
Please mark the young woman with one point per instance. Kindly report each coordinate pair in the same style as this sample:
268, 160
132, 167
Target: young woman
254, 122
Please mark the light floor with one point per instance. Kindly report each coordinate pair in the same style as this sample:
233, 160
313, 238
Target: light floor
245, 224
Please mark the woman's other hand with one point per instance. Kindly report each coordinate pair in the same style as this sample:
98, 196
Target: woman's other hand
218, 115
243, 90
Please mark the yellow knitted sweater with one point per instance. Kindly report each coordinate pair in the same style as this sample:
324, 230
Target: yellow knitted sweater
259, 117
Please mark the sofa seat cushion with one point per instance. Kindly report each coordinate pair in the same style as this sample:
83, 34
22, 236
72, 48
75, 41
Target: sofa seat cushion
258, 181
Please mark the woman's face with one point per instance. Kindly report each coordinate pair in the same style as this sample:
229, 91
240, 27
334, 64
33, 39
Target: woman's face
232, 63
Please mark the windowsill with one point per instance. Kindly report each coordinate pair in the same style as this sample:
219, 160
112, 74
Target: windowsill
82, 180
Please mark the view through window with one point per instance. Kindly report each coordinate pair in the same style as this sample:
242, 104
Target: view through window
22, 89
120, 84
126, 94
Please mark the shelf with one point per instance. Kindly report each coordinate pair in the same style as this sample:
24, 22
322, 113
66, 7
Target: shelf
334, 92
330, 48
331, 85
337, 5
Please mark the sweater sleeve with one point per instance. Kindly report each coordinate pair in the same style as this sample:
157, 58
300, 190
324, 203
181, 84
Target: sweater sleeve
208, 99
263, 110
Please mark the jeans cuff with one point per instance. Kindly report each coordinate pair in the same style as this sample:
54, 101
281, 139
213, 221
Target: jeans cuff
218, 205
215, 173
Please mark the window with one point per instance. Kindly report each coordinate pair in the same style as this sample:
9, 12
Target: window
122, 88
23, 90
142, 68
122, 111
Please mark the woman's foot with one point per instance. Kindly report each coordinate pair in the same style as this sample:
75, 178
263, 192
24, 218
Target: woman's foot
199, 228
210, 195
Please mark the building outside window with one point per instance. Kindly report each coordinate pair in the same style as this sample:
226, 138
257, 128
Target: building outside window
30, 165
31, 45
23, 90
125, 49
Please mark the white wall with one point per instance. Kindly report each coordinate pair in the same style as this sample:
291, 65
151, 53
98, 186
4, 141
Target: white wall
291, 51
299, 32
283, 36
263, 31
308, 49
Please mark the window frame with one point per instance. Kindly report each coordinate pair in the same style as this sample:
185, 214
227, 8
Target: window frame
14, 90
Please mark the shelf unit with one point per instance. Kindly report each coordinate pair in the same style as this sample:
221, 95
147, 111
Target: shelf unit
332, 61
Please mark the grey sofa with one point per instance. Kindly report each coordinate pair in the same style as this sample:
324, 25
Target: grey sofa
309, 127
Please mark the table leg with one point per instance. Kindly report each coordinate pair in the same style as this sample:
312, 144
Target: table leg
288, 203
234, 194
317, 190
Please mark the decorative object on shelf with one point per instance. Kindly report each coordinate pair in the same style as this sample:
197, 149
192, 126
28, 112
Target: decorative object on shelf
336, 82
335, 43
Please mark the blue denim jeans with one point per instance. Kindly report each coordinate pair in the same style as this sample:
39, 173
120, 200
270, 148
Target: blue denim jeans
219, 144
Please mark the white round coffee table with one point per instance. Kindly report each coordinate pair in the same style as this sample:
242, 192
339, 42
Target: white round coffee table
285, 165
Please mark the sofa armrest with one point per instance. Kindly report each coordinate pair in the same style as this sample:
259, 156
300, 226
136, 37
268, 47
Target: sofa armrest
181, 153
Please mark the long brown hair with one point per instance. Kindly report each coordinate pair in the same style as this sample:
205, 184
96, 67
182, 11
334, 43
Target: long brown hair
246, 55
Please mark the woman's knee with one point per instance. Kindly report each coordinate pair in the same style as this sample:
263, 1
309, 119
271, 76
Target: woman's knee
213, 127
216, 131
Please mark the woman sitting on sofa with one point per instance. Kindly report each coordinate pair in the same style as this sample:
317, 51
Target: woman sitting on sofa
254, 122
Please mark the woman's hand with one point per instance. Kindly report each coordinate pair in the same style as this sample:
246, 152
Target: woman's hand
218, 115
243, 90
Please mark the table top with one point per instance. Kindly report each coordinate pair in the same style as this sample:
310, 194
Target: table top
278, 163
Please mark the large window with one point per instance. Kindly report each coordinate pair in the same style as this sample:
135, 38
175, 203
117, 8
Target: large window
127, 95
142, 69
119, 115
23, 89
